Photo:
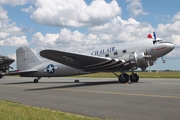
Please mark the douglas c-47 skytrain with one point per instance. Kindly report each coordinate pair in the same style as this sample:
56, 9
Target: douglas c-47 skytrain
123, 56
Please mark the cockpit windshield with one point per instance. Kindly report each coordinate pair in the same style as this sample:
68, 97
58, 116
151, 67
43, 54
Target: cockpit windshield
158, 40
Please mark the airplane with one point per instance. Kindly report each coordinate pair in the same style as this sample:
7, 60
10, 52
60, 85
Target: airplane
5, 62
120, 57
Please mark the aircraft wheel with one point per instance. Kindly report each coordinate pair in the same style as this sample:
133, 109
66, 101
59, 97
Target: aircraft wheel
35, 80
123, 78
0, 76
134, 78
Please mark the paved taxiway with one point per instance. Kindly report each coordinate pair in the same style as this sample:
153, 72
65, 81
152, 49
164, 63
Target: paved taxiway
150, 99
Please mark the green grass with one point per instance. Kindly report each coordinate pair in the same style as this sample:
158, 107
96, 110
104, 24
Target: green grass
168, 74
15, 111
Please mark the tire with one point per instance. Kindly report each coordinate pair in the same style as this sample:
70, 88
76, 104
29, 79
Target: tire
35, 80
134, 78
124, 78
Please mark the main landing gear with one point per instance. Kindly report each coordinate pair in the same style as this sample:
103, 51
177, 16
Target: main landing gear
124, 77
36, 80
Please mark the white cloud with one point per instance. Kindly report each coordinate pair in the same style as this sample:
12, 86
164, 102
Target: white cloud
13, 2
168, 30
44, 41
176, 17
114, 31
135, 8
75, 41
30, 9
14, 41
10, 33
8, 30
123, 30
66, 36
66, 40
74, 13
3, 15
176, 39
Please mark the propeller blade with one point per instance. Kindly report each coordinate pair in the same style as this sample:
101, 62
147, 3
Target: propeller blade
11, 67
149, 66
156, 67
164, 61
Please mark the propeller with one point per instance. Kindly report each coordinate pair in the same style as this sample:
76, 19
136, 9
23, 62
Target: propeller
149, 66
155, 66
11, 67
164, 61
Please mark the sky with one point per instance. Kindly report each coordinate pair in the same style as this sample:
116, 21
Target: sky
87, 25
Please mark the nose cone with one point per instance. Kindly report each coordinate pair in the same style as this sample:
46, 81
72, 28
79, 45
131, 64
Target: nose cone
170, 46
10, 60
161, 49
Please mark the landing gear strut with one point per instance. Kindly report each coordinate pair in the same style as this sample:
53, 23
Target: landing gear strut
37, 79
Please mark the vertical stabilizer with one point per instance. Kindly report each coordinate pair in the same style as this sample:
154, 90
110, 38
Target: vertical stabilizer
26, 58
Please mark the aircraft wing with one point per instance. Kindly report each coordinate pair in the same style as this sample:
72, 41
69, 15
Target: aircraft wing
81, 61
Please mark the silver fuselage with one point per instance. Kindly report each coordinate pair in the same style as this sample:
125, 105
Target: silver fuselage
122, 51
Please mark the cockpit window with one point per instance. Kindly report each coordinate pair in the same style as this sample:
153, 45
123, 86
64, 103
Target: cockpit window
158, 40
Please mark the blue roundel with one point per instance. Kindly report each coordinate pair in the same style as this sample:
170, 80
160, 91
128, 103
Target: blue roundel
50, 68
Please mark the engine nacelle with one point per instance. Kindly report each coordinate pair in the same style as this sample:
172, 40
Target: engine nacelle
136, 60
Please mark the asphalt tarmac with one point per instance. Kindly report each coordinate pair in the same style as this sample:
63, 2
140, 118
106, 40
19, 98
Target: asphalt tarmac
150, 99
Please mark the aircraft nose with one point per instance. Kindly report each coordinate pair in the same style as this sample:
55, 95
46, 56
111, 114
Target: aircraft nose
170, 46
10, 60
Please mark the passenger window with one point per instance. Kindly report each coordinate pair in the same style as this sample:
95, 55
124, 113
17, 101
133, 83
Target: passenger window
115, 53
107, 55
124, 51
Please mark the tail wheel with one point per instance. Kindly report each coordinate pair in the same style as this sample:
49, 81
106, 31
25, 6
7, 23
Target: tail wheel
123, 78
134, 78
36, 81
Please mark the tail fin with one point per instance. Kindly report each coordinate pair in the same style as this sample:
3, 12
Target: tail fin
26, 58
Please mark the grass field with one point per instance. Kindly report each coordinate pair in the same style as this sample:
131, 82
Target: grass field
141, 75
14, 111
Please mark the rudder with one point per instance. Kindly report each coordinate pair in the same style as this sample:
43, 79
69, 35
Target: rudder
26, 58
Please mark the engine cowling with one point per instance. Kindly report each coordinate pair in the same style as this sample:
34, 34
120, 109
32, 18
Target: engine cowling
137, 59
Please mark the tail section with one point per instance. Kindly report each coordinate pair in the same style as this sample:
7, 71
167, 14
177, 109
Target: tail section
26, 58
